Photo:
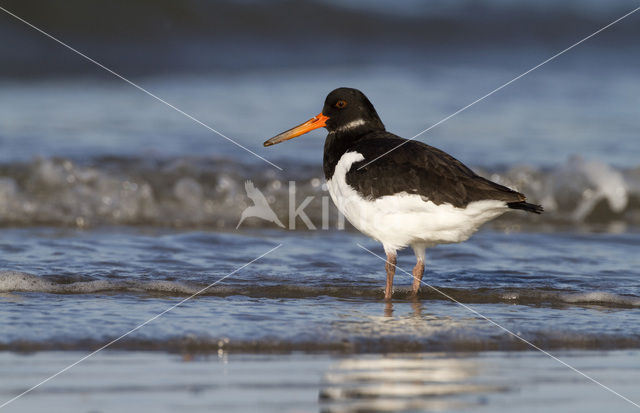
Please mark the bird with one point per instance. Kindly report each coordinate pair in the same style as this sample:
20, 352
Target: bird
260, 207
400, 192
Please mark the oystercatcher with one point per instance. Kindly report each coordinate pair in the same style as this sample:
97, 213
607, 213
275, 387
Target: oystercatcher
413, 195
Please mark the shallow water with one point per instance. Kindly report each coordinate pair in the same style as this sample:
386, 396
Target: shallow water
318, 291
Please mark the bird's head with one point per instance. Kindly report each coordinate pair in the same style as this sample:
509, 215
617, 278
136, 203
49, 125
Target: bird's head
345, 110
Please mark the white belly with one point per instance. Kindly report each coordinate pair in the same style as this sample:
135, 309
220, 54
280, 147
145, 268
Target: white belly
407, 219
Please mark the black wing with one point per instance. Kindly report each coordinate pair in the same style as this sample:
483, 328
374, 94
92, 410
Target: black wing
417, 168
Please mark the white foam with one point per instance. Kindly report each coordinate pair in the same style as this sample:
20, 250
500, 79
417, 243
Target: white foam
592, 181
602, 298
13, 281
19, 281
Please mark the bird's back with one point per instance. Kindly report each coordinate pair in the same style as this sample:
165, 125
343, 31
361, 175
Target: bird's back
418, 168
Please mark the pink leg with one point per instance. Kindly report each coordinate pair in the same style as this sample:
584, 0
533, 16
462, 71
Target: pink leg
390, 266
388, 309
418, 271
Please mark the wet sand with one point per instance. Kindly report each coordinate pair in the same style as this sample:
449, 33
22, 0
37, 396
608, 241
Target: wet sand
114, 381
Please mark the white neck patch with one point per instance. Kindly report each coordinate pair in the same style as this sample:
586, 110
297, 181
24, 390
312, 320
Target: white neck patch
351, 125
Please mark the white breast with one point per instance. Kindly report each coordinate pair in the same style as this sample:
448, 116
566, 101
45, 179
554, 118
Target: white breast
407, 219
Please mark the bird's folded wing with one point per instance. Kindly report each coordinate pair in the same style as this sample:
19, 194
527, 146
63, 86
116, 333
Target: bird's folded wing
417, 168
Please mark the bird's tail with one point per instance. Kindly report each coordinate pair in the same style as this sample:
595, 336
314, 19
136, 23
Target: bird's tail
536, 209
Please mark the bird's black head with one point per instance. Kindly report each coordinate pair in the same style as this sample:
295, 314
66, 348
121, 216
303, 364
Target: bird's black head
345, 111
349, 110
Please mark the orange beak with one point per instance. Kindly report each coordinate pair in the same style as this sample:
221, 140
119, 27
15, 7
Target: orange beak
316, 122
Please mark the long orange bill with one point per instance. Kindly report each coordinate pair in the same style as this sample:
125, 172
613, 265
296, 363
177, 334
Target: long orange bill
316, 122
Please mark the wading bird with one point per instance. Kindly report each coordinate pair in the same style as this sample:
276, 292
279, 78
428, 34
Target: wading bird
400, 192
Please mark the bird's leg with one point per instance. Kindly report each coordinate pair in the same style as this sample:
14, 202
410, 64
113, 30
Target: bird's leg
418, 271
388, 309
390, 266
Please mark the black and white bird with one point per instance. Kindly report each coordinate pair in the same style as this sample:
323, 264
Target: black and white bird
400, 192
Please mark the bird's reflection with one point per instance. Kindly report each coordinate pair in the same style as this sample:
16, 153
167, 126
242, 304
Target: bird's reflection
415, 382
416, 305
403, 382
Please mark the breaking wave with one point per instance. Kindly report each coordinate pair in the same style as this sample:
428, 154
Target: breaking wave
12, 281
210, 193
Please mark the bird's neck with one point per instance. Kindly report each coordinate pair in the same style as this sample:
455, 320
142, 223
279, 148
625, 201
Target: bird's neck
336, 144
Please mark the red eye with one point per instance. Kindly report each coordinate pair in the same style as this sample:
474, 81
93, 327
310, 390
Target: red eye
341, 104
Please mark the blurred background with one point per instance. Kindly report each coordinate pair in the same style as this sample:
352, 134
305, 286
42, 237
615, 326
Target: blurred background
79, 146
